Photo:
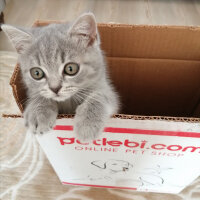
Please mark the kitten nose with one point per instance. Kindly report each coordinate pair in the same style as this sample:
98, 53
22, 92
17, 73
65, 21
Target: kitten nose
55, 89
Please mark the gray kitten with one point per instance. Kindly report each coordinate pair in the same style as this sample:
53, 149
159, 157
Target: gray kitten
64, 71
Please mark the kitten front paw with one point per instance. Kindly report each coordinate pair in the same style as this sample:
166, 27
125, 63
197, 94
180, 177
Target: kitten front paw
87, 130
40, 122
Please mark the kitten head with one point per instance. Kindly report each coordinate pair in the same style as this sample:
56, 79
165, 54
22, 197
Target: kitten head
59, 60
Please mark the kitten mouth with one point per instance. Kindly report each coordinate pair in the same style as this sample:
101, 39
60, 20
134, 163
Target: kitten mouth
59, 98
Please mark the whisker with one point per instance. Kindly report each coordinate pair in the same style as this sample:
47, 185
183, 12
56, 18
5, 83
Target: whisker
91, 97
89, 101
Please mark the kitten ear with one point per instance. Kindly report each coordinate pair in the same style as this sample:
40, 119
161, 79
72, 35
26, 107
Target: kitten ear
85, 27
21, 40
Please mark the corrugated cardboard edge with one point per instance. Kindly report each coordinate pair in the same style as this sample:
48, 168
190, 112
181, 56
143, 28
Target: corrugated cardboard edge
14, 89
111, 24
123, 116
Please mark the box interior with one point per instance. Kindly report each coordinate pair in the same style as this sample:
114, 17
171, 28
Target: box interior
155, 69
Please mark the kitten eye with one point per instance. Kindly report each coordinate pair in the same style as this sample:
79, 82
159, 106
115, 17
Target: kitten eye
37, 73
71, 69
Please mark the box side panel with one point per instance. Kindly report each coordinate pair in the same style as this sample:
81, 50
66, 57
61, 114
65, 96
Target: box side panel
196, 112
156, 87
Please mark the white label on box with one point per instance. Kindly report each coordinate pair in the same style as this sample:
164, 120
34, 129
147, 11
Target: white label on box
143, 155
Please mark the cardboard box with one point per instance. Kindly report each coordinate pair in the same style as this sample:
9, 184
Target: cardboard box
156, 70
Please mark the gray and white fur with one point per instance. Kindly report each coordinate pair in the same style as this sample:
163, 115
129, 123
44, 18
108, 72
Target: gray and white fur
88, 94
